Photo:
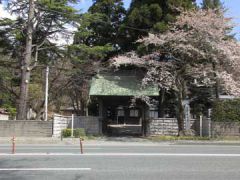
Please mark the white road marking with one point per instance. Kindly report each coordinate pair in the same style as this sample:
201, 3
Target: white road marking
122, 154
101, 146
43, 148
45, 169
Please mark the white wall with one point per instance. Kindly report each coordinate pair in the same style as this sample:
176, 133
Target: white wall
4, 117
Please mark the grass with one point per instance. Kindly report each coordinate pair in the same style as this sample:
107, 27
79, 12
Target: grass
86, 137
176, 138
193, 138
227, 138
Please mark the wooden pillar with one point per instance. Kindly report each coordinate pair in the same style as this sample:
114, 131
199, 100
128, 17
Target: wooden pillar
100, 108
144, 120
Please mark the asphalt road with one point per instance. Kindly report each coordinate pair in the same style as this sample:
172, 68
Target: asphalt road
122, 161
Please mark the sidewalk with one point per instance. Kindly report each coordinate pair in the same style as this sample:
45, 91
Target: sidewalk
111, 141
75, 141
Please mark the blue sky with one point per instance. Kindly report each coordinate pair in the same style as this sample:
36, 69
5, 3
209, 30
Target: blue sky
233, 7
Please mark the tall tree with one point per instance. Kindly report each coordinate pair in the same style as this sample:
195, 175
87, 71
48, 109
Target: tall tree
97, 38
185, 55
44, 19
146, 16
217, 5
153, 16
25, 64
100, 25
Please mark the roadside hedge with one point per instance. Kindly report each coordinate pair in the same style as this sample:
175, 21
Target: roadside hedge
79, 132
226, 110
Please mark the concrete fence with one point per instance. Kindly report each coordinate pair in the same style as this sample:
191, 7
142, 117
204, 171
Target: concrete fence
25, 128
203, 127
213, 129
225, 129
91, 124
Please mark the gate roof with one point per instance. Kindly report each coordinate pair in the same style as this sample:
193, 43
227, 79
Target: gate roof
116, 85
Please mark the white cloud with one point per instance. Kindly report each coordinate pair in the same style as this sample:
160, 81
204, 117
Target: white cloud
64, 38
5, 14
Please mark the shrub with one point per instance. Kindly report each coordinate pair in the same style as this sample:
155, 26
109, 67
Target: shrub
226, 110
66, 132
79, 132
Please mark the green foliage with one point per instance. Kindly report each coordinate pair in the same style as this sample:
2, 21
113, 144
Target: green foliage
145, 16
12, 110
176, 138
201, 99
8, 84
85, 53
100, 25
50, 17
160, 27
226, 110
36, 91
98, 38
79, 132
66, 133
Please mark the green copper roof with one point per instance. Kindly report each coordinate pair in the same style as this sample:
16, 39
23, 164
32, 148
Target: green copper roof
103, 85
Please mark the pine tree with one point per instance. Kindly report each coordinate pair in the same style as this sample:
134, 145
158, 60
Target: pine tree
101, 23
35, 25
97, 38
146, 16
212, 4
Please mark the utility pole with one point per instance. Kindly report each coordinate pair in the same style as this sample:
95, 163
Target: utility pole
25, 66
46, 95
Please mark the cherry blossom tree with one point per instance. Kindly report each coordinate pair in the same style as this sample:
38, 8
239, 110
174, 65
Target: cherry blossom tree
197, 50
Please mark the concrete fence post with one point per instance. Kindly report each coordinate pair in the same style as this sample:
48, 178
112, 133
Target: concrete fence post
200, 125
13, 145
209, 128
163, 127
72, 124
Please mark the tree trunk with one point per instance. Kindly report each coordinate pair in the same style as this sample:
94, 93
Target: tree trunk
180, 114
181, 95
216, 88
161, 103
82, 111
25, 69
40, 111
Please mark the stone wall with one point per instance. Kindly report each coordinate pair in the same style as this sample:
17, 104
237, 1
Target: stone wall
165, 126
91, 124
4, 117
25, 128
59, 123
